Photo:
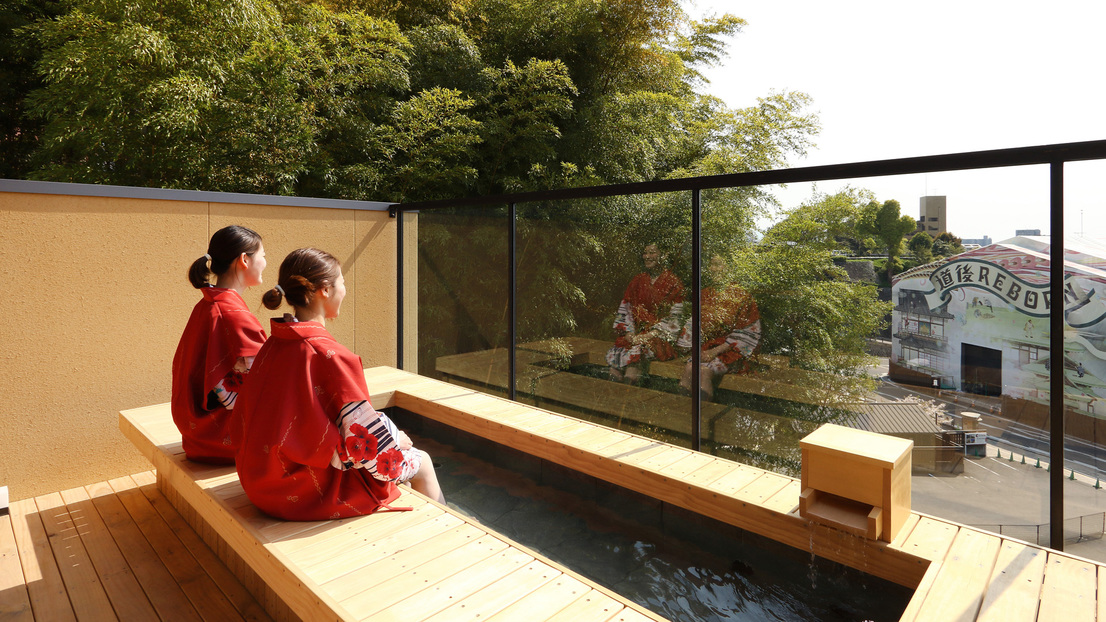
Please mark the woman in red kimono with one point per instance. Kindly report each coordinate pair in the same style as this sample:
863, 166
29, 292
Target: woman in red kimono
218, 345
647, 321
313, 448
729, 327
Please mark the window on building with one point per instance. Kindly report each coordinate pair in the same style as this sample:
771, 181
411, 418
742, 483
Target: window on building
919, 359
1028, 354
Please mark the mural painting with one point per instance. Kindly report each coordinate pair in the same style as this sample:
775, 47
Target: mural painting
978, 322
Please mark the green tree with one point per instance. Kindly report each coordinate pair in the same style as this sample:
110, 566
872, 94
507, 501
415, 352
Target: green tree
947, 245
922, 246
825, 222
886, 223
19, 133
520, 112
809, 309
256, 96
130, 90
313, 98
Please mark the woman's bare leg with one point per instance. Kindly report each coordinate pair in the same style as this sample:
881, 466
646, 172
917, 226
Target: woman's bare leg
426, 480
708, 380
632, 374
685, 380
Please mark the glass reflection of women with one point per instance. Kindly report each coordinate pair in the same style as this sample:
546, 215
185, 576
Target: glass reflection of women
730, 330
646, 323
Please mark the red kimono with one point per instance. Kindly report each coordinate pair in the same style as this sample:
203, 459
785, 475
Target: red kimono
730, 317
220, 330
299, 382
647, 305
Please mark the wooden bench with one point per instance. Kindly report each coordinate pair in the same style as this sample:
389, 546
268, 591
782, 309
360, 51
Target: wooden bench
431, 562
326, 569
441, 565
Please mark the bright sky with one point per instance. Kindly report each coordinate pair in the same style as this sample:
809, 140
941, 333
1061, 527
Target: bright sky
896, 79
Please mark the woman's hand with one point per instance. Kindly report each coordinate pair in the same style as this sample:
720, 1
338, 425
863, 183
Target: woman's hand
404, 441
709, 355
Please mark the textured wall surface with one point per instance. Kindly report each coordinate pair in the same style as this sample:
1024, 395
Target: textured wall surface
97, 297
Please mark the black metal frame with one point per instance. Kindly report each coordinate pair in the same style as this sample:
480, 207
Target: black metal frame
1053, 155
1056, 354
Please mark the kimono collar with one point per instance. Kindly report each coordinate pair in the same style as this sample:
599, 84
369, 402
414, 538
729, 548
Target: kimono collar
220, 294
281, 329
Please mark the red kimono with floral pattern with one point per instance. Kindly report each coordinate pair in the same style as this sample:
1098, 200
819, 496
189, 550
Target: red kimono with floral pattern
647, 305
220, 330
730, 317
287, 410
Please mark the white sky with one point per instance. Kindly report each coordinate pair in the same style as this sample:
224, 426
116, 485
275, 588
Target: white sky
896, 79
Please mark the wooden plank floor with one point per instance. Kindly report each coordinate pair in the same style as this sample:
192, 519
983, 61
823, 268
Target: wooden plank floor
119, 551
976, 575
112, 551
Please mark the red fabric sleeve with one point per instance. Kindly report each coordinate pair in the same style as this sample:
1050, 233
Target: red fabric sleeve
343, 377
235, 333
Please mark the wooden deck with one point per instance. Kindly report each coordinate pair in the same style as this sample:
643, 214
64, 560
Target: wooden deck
119, 550
428, 563
112, 551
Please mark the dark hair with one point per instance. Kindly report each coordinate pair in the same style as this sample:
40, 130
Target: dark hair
225, 246
303, 272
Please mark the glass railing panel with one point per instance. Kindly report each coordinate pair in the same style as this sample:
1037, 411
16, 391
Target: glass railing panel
948, 346
601, 290
753, 407
463, 296
1084, 354
948, 352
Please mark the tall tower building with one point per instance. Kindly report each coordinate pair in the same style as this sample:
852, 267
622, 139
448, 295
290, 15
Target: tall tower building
932, 216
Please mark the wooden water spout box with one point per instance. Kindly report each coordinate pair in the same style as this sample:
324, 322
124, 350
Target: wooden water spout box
856, 481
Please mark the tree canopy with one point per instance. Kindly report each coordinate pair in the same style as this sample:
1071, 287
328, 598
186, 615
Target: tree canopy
377, 99
809, 307
888, 225
922, 246
402, 100
947, 245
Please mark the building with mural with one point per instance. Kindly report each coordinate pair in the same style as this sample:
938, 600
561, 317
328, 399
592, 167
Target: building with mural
978, 322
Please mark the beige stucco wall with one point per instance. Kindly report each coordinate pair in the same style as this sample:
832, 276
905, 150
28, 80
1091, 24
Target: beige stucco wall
95, 295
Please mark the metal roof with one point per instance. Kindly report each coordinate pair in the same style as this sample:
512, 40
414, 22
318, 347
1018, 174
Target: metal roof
891, 418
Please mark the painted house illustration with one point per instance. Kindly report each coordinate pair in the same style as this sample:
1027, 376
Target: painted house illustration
978, 323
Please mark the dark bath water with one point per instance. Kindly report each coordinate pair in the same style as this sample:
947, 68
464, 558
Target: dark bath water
625, 542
